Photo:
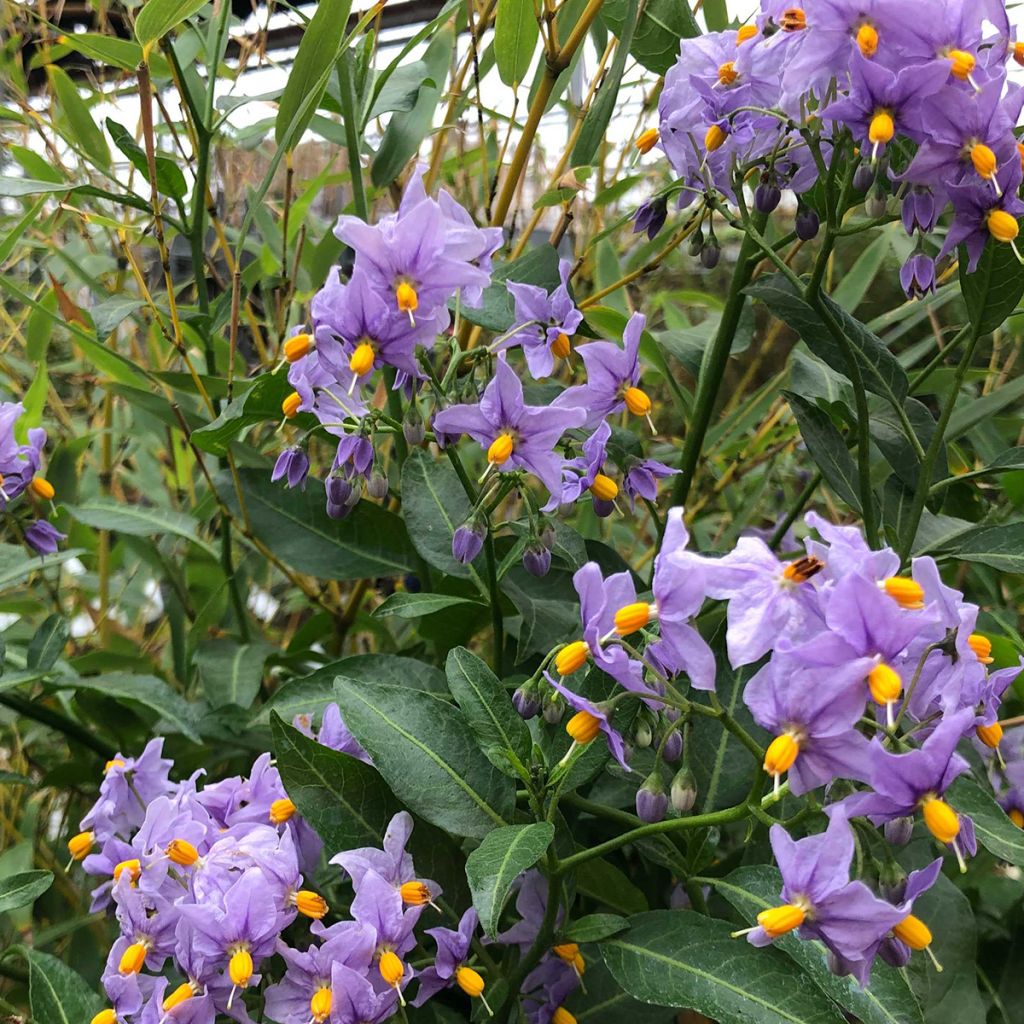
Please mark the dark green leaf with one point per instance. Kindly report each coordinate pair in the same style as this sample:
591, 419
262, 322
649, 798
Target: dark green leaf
594, 928
995, 288
488, 709
23, 888
548, 607
343, 800
496, 312
827, 448
82, 127
231, 672
402, 87
15, 566
498, 861
887, 432
294, 524
158, 17
656, 40
137, 520
606, 884
680, 958
47, 644
57, 995
515, 38
414, 606
426, 753
1001, 547
994, 829
170, 181
119, 53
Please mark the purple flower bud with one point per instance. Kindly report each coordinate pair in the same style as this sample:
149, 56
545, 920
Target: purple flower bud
413, 427
898, 831
710, 254
684, 790
917, 276
377, 485
767, 197
467, 542
336, 511
807, 223
673, 746
919, 211
293, 465
537, 560
894, 953
642, 734
650, 217
651, 799
602, 508
863, 177
339, 490
525, 703
43, 538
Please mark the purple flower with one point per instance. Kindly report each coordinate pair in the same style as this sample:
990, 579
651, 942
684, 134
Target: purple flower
18, 462
579, 474
379, 905
641, 479
198, 1008
979, 214
392, 863
452, 951
594, 719
917, 275
650, 216
336, 735
468, 541
293, 465
547, 322
43, 538
356, 1001
531, 905
920, 210
893, 949
515, 435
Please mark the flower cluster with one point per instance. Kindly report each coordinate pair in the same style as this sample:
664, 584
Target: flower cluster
208, 886
925, 101
19, 473
862, 675
409, 268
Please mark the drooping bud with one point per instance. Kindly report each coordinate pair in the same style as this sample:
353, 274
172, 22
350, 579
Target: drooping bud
710, 254
571, 657
876, 204
651, 799
377, 485
297, 346
281, 811
942, 821
696, 243
468, 541
537, 560
526, 704
339, 489
632, 617
684, 791
80, 845
898, 831
863, 177
42, 488
808, 223
767, 197
781, 920
673, 749
413, 427
650, 218
552, 706
583, 727
182, 853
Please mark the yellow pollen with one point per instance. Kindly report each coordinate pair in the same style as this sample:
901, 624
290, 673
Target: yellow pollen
604, 488
290, 406
962, 63
180, 995
310, 904
281, 811
781, 753
80, 845
240, 968
914, 932
500, 450
133, 867
793, 20
882, 128
571, 658
1018, 53
1002, 226
562, 1016
415, 894
942, 821
362, 359
133, 958
182, 853
647, 140
114, 763
42, 488
567, 951
106, 1016
470, 982
780, 920
885, 684
867, 40
990, 735
406, 297
727, 73
298, 346
906, 593
583, 727
1017, 817
714, 137
579, 965
745, 32
982, 647
632, 617
984, 160
392, 970
321, 1003
561, 346
803, 569
637, 401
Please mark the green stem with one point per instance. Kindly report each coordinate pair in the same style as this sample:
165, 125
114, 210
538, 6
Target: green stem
55, 720
497, 619
798, 506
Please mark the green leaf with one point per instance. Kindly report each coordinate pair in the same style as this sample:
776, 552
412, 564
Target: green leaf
407, 129
294, 524
994, 829
1012, 458
426, 753
319, 50
83, 128
15, 566
1001, 547
118, 53
656, 40
434, 505
149, 691
231, 672
827, 448
496, 312
47, 644
488, 709
57, 995
343, 800
888, 433
594, 928
548, 606
414, 606
599, 116
880, 369
995, 288
261, 403
158, 17
498, 861
887, 1000
984, 408
23, 888
137, 520
681, 958
170, 181
606, 884
515, 38
401, 88
854, 284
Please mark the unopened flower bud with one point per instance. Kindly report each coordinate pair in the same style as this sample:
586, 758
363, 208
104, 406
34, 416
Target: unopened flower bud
337, 511
673, 749
875, 204
898, 831
537, 559
696, 242
525, 702
413, 427
710, 254
546, 534
642, 735
468, 541
377, 485
552, 707
651, 799
684, 791
767, 197
863, 177
339, 490
807, 223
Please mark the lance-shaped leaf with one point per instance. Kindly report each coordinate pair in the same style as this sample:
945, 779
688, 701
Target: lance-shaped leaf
993, 828
23, 888
56, 993
515, 38
995, 288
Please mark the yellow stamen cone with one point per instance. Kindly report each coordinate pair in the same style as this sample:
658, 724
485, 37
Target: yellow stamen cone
571, 658
881, 128
240, 968
647, 140
781, 753
500, 450
637, 401
1002, 226
320, 1004
415, 894
133, 958
990, 735
867, 40
727, 73
780, 920
714, 138
632, 617
80, 845
982, 647
106, 1016
296, 347
181, 994
905, 592
914, 932
281, 811
583, 727
942, 821
290, 406
745, 32
561, 347
310, 904
362, 359
182, 853
42, 488
885, 684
